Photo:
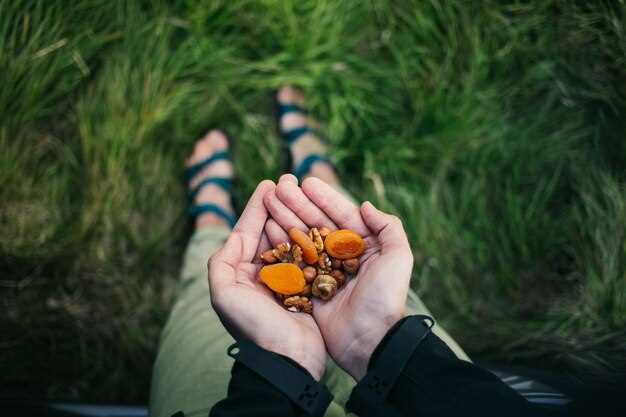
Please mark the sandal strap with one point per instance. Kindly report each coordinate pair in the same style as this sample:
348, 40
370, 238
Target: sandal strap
223, 182
305, 165
294, 134
197, 167
215, 209
284, 108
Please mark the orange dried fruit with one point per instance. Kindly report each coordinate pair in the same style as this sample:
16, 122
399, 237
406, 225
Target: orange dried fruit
309, 251
344, 244
283, 278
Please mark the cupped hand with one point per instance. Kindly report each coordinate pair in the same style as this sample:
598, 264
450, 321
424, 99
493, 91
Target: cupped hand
356, 319
246, 307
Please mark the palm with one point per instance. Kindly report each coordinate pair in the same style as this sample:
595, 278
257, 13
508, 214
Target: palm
359, 298
262, 319
368, 303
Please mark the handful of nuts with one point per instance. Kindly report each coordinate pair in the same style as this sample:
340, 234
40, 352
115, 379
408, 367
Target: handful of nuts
316, 264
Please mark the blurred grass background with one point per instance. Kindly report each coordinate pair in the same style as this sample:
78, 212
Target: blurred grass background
495, 129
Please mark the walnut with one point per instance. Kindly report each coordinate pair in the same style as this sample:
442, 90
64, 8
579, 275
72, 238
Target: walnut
314, 235
324, 287
299, 304
282, 252
284, 247
268, 256
351, 266
309, 273
324, 263
296, 253
339, 276
324, 231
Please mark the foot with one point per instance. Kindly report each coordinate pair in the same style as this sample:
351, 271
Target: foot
211, 143
309, 143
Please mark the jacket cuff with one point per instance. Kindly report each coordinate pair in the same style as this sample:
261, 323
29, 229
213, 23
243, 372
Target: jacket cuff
288, 377
386, 364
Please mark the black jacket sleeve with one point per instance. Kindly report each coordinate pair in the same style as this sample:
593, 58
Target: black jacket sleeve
249, 395
433, 383
436, 383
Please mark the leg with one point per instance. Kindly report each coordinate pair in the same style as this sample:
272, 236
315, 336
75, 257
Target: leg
309, 143
192, 370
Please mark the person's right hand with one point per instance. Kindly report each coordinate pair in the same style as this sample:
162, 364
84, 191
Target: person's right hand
247, 307
356, 319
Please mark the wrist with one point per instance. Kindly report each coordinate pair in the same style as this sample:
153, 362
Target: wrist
355, 359
314, 362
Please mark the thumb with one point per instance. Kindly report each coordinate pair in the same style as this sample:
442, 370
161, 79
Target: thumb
388, 228
223, 264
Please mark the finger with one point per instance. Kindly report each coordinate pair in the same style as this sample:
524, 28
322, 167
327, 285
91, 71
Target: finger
281, 214
223, 264
394, 250
388, 228
343, 212
294, 199
252, 220
275, 233
288, 178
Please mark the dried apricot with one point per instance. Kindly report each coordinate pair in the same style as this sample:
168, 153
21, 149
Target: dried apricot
283, 278
344, 244
309, 251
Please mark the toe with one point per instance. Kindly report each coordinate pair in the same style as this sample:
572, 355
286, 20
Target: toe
213, 141
216, 139
289, 94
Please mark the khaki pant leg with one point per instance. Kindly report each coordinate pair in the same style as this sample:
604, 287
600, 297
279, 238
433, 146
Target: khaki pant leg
192, 369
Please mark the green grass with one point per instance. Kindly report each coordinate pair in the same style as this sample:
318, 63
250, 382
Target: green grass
493, 128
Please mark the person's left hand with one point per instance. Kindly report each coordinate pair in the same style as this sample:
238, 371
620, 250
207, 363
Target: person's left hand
246, 307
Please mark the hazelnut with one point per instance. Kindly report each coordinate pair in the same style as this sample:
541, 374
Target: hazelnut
351, 266
339, 276
309, 273
335, 263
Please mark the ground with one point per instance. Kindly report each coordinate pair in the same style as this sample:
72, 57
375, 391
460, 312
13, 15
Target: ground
494, 129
